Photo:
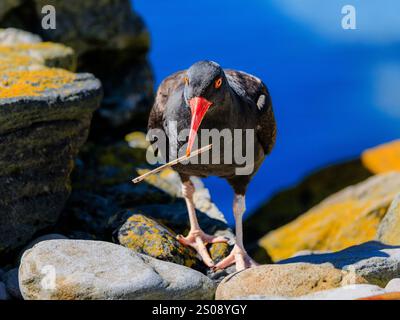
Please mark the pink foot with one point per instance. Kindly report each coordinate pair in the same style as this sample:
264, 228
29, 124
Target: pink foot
197, 239
239, 257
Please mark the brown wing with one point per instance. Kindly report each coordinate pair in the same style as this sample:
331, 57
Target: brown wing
167, 86
253, 88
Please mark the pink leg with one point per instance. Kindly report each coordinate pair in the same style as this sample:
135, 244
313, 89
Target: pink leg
238, 254
196, 238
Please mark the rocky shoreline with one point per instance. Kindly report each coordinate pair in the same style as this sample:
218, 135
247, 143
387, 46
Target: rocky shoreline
73, 226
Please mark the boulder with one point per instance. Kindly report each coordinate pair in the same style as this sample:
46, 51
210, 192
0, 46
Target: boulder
375, 262
149, 237
347, 218
289, 280
79, 269
389, 229
45, 116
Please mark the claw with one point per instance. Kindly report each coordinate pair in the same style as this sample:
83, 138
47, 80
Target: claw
197, 239
237, 256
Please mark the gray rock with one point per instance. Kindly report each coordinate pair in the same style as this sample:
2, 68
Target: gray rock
3, 292
51, 236
11, 36
374, 261
40, 135
389, 228
11, 281
79, 269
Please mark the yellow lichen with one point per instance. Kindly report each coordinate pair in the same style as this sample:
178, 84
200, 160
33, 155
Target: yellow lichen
146, 236
344, 219
30, 83
384, 158
18, 62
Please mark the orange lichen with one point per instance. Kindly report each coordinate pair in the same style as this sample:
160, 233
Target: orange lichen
384, 158
28, 83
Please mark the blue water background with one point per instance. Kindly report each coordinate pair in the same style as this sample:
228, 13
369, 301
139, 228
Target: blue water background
335, 92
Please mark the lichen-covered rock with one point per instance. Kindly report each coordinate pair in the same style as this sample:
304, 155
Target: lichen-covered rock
383, 158
48, 54
135, 230
389, 228
289, 204
289, 280
149, 237
111, 42
101, 270
375, 262
175, 217
219, 250
347, 218
45, 116
12, 36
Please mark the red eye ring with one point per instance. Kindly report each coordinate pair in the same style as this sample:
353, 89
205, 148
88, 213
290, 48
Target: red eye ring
218, 83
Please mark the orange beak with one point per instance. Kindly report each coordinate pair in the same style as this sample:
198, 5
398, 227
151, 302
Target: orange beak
199, 107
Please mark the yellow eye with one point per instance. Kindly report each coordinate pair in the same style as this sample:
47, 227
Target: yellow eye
186, 80
218, 83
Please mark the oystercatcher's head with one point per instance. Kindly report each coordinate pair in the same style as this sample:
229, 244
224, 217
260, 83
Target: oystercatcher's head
205, 87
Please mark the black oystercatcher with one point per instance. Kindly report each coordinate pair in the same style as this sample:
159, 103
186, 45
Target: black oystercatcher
208, 97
